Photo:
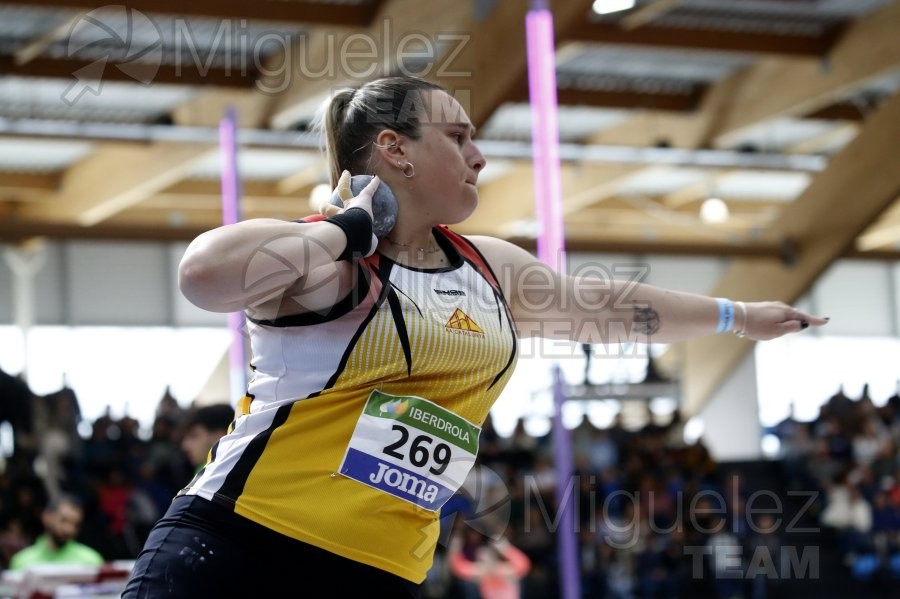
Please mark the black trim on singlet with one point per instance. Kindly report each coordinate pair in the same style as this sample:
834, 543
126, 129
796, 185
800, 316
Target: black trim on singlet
383, 272
234, 483
214, 449
400, 325
509, 362
353, 298
501, 304
411, 300
455, 258
496, 281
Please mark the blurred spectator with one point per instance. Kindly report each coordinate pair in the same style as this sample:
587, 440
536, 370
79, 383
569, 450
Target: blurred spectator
885, 525
114, 494
635, 489
169, 408
618, 575
602, 451
725, 554
497, 566
62, 522
847, 511
16, 408
521, 447
798, 448
204, 428
12, 540
764, 551
868, 443
697, 459
650, 568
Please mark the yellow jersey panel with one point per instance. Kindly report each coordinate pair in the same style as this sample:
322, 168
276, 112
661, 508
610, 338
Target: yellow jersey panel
442, 337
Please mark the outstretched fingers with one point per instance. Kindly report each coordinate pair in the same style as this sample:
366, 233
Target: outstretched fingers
807, 320
768, 320
798, 320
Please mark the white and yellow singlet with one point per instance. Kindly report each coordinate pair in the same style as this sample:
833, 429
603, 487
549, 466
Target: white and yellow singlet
365, 420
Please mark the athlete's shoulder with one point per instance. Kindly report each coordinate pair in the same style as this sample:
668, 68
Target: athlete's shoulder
500, 252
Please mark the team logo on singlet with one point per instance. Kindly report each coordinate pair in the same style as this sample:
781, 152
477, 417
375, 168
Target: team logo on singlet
450, 292
461, 324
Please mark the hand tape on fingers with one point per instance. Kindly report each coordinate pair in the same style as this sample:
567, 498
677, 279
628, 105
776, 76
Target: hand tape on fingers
384, 204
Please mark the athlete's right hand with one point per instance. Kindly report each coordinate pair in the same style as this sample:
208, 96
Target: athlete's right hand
363, 200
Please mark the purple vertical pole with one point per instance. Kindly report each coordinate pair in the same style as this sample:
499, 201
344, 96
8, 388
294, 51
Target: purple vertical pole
231, 199
551, 250
545, 137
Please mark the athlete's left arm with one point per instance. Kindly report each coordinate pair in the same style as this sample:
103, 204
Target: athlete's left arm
593, 309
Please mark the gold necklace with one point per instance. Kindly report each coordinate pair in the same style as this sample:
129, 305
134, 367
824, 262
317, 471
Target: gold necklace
433, 250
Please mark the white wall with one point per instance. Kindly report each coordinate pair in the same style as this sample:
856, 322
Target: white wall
860, 297
731, 429
108, 283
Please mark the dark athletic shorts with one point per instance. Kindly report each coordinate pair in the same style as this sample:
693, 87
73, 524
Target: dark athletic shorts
200, 549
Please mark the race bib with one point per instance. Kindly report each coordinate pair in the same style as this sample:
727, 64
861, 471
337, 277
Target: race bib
411, 448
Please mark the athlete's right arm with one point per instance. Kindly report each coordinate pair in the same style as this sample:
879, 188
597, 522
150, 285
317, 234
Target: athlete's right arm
249, 263
255, 262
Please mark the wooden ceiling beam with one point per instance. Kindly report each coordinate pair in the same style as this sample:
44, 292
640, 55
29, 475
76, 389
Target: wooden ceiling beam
657, 217
588, 242
184, 74
13, 230
625, 98
302, 179
867, 48
213, 187
39, 44
883, 234
841, 133
647, 13
496, 56
654, 34
841, 110
648, 128
307, 13
510, 198
882, 239
484, 62
13, 183
113, 179
584, 189
870, 47
861, 182
329, 59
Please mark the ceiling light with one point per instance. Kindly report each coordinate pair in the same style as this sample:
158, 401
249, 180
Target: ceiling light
604, 7
714, 211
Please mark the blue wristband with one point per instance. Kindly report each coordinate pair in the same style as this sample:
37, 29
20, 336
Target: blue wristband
726, 315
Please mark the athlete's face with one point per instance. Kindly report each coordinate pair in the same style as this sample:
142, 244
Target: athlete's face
446, 159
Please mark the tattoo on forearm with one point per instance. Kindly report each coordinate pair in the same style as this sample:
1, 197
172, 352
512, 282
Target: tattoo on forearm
646, 320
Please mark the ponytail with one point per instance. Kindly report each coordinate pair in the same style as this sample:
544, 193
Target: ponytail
353, 118
335, 114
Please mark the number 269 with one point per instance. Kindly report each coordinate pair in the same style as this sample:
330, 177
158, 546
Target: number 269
419, 453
